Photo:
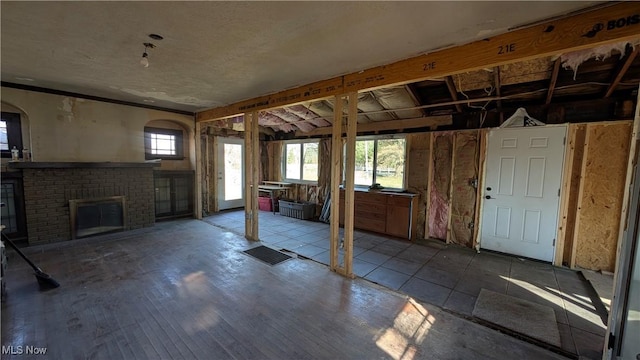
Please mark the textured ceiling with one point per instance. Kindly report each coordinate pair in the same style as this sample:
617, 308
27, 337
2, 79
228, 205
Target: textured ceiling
216, 53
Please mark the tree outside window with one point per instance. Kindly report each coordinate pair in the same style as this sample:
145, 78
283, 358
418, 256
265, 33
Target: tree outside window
381, 161
301, 161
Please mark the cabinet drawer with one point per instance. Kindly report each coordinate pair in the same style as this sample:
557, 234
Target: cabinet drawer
368, 224
370, 198
370, 208
396, 200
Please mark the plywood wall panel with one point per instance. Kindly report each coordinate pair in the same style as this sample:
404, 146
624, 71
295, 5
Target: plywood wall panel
601, 192
439, 198
463, 194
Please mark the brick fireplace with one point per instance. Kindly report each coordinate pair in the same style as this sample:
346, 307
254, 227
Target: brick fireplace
49, 188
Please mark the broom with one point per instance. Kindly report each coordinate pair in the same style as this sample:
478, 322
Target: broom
44, 280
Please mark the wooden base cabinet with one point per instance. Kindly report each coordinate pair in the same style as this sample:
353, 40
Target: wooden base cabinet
385, 213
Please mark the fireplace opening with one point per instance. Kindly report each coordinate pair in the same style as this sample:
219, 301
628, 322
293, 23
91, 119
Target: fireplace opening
97, 216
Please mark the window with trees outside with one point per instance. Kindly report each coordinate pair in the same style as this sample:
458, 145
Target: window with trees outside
380, 160
301, 161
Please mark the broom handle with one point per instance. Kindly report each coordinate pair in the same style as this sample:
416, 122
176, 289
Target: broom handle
7, 240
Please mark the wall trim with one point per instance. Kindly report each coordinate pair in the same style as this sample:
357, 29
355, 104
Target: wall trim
91, 97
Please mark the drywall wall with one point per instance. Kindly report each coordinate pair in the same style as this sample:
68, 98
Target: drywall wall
463, 193
604, 167
64, 129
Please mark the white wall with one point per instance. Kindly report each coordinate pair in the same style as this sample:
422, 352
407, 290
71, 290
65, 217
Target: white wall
65, 129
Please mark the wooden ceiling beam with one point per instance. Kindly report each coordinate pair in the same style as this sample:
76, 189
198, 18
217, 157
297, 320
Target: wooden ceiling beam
453, 91
554, 80
580, 31
427, 121
621, 71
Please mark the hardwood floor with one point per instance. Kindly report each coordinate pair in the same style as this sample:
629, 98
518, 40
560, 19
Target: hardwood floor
184, 290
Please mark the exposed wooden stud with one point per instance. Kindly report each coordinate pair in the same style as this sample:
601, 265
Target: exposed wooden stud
349, 188
255, 146
554, 80
429, 185
336, 165
429, 121
572, 263
251, 176
454, 93
545, 39
206, 172
482, 157
564, 194
631, 162
621, 71
215, 168
496, 84
198, 154
453, 165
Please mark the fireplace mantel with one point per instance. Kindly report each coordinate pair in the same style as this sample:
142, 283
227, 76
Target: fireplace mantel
79, 165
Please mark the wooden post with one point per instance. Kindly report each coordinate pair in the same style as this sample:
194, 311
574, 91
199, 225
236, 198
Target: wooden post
349, 184
482, 157
215, 169
454, 136
574, 249
336, 164
429, 184
198, 155
565, 194
255, 165
251, 176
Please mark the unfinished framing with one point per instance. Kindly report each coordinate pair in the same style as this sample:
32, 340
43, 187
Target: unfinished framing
451, 181
546, 39
251, 170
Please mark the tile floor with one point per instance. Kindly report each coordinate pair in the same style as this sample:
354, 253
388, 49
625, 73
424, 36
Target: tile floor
448, 276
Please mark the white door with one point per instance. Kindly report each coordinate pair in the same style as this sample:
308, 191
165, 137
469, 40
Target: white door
521, 190
230, 173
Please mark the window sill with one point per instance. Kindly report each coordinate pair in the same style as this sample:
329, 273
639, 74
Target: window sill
156, 157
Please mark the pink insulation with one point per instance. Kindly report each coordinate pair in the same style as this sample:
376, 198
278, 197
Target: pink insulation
285, 115
438, 215
304, 126
440, 197
267, 119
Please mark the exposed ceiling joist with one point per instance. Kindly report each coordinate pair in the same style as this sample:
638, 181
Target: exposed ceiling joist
428, 121
496, 84
621, 71
413, 96
554, 79
454, 93
549, 38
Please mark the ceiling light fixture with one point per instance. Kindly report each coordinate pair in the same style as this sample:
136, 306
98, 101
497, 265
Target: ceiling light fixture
145, 57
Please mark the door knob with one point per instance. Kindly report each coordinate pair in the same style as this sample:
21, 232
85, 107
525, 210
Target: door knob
488, 197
